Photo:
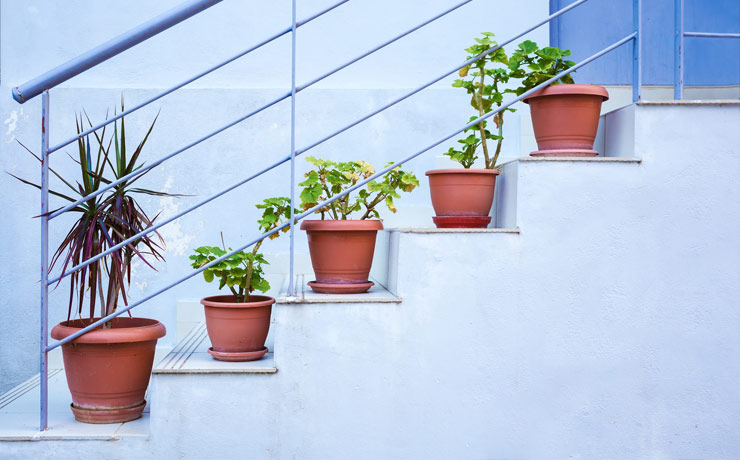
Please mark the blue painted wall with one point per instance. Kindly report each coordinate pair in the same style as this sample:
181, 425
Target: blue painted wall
599, 23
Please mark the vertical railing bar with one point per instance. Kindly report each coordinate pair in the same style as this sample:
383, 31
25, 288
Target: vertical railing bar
291, 275
678, 51
44, 327
637, 51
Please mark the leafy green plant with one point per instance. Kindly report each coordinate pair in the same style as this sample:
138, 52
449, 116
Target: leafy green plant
105, 220
484, 80
242, 272
331, 178
535, 65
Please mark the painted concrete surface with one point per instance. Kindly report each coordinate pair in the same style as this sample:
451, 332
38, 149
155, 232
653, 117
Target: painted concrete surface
606, 327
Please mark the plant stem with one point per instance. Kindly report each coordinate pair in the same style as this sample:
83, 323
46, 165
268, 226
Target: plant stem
250, 268
500, 116
479, 97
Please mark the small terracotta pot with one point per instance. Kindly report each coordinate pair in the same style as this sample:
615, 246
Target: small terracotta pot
565, 119
462, 193
341, 254
238, 330
108, 369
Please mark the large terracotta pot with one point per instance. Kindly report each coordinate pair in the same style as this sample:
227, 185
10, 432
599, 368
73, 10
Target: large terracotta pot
341, 254
462, 198
108, 369
238, 330
565, 119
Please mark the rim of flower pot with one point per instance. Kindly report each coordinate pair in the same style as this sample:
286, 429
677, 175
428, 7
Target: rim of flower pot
494, 172
229, 301
563, 89
123, 330
341, 225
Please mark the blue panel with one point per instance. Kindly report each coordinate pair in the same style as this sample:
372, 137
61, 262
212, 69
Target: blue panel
598, 23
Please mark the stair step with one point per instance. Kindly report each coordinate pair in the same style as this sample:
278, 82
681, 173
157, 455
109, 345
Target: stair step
190, 356
304, 294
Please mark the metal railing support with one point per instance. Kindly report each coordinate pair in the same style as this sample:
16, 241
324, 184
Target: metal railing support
110, 48
44, 326
340, 195
711, 35
678, 51
637, 51
291, 288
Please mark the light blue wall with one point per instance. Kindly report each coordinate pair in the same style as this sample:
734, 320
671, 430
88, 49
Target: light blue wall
599, 23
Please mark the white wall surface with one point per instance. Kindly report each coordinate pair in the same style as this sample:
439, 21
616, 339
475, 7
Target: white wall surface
36, 35
607, 328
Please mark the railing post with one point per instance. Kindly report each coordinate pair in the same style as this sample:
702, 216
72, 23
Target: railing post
44, 362
637, 51
678, 52
291, 274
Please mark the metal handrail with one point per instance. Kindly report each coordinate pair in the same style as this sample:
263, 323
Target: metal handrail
288, 94
195, 77
362, 183
45, 347
107, 50
678, 47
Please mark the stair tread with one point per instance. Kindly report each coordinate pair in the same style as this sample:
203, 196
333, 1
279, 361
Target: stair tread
376, 294
190, 356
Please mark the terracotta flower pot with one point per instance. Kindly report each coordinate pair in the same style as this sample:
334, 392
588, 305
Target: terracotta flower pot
341, 254
565, 119
462, 198
238, 330
108, 369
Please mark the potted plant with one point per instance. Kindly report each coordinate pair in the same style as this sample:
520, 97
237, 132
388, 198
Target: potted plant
463, 197
238, 323
341, 248
107, 368
565, 117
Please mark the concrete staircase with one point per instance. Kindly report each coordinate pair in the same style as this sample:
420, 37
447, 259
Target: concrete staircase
598, 319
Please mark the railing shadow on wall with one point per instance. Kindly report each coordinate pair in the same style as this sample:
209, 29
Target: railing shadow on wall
42, 84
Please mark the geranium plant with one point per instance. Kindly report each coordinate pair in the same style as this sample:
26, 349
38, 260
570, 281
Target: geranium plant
331, 178
535, 65
484, 81
242, 272
105, 220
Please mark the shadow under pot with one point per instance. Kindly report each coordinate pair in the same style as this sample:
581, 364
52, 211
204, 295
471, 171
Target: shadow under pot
565, 119
108, 369
237, 330
341, 254
462, 198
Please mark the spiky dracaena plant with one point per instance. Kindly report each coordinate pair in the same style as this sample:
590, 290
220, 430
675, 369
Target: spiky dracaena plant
105, 220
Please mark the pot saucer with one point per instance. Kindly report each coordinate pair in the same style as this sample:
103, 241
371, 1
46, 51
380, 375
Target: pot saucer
343, 288
237, 356
461, 221
564, 153
101, 416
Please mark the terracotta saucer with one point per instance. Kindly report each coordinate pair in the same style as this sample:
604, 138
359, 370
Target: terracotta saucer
343, 288
237, 356
100, 416
461, 221
564, 153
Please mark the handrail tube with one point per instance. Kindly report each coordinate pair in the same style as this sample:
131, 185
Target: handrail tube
711, 35
292, 149
159, 225
305, 149
146, 168
383, 45
342, 194
440, 77
196, 77
269, 104
107, 50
